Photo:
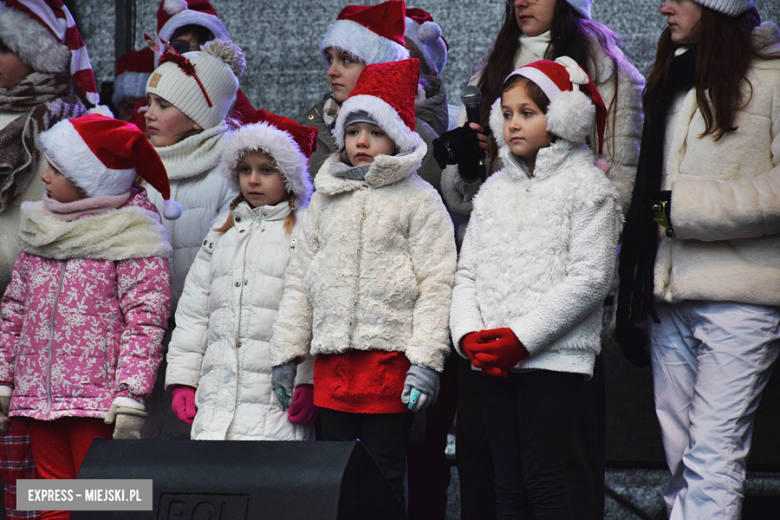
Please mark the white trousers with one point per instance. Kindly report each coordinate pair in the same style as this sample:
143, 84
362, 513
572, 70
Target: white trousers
711, 362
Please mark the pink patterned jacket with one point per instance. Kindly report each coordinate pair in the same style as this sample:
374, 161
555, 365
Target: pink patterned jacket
85, 314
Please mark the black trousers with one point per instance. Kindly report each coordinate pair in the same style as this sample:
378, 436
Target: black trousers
529, 419
385, 436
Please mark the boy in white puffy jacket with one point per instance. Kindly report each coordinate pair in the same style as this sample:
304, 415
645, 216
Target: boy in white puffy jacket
219, 358
368, 290
536, 264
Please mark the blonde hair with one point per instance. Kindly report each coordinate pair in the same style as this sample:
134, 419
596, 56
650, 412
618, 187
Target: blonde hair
289, 222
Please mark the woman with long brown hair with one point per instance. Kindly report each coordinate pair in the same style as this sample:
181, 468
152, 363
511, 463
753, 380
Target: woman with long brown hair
709, 288
534, 30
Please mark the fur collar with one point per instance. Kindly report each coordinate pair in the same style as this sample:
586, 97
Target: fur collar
196, 154
548, 160
385, 170
116, 234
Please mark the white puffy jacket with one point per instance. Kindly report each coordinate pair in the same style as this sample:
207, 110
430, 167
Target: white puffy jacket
202, 191
224, 323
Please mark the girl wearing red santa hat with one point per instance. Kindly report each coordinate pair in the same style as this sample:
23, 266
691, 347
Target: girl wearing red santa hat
536, 264
368, 289
89, 299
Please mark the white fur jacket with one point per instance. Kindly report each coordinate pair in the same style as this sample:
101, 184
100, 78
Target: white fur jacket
375, 267
726, 196
624, 123
222, 341
539, 256
198, 185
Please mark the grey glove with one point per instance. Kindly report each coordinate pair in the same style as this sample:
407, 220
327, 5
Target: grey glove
127, 421
421, 388
5, 406
282, 382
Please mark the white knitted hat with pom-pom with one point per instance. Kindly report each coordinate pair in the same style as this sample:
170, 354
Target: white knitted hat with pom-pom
206, 96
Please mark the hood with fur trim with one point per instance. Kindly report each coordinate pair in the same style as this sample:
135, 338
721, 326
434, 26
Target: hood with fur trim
266, 138
36, 46
384, 171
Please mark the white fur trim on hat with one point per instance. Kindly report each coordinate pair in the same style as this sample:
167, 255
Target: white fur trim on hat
385, 116
581, 6
67, 151
189, 17
130, 85
34, 44
362, 43
266, 138
571, 116
727, 7
427, 38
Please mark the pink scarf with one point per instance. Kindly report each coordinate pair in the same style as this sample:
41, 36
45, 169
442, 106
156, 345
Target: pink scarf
87, 206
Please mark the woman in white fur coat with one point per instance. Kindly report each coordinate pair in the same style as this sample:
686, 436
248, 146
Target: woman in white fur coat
536, 263
368, 290
219, 358
707, 281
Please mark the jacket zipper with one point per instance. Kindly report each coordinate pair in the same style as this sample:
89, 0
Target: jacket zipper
255, 226
51, 338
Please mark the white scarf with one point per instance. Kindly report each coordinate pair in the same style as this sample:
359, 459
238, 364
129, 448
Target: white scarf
537, 44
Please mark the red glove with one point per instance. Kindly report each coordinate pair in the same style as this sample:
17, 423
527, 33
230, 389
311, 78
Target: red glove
470, 345
183, 404
302, 410
500, 348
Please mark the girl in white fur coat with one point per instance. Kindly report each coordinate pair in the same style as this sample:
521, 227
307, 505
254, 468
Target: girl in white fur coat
368, 290
536, 263
219, 359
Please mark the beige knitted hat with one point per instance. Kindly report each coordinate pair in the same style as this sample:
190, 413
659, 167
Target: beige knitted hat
727, 7
204, 85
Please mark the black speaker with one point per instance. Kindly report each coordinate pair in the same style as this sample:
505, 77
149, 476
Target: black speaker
236, 480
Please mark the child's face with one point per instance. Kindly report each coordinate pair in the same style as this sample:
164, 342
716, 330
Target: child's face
525, 125
165, 124
343, 72
59, 187
12, 68
364, 141
260, 180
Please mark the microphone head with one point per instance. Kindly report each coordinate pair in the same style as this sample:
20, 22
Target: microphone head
470, 96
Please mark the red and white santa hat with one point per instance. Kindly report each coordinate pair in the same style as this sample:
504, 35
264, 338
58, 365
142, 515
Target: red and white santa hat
173, 14
426, 36
132, 72
385, 91
373, 34
574, 100
102, 156
289, 144
44, 35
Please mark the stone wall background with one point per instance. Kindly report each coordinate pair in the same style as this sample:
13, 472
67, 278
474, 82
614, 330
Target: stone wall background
280, 38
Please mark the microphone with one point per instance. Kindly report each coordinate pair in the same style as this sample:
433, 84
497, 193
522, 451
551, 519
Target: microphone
471, 97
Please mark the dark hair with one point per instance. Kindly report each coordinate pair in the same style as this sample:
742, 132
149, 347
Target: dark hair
202, 34
571, 35
724, 52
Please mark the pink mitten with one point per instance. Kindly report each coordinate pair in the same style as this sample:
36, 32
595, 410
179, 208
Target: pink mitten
303, 410
184, 403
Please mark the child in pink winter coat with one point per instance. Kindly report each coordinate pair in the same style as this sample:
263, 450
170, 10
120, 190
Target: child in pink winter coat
89, 298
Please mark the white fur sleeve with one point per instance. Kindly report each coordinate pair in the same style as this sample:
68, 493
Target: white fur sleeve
596, 225
433, 254
293, 324
465, 316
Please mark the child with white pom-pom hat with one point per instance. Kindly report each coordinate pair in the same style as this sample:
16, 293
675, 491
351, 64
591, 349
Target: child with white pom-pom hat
190, 95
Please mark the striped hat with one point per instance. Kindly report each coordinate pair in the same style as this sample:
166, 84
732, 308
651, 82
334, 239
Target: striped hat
44, 35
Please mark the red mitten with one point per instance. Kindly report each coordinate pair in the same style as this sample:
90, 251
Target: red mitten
183, 404
500, 348
302, 410
470, 346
